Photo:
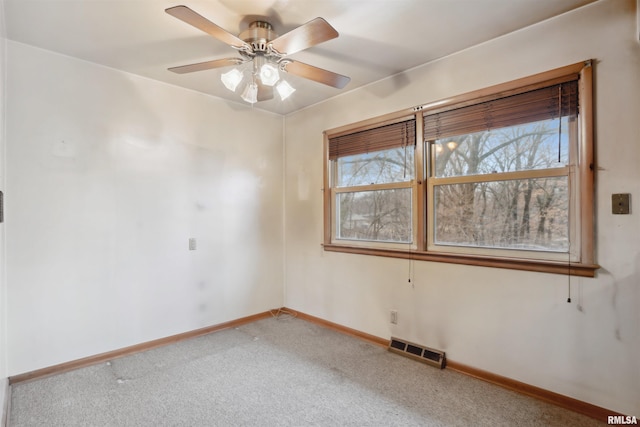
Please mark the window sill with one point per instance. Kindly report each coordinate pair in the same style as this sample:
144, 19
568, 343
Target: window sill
555, 267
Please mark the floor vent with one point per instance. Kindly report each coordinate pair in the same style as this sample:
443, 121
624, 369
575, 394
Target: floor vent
418, 352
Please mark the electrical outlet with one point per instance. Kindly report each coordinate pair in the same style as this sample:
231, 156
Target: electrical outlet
394, 317
192, 244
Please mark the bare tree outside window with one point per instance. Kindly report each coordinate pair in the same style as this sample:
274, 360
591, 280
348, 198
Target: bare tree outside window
373, 213
502, 210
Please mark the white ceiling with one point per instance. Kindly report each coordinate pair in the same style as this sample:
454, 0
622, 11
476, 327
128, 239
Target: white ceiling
378, 38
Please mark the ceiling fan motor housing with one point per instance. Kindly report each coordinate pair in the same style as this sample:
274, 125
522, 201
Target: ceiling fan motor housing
258, 35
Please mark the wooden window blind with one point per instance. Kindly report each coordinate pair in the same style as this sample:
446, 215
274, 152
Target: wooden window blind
535, 105
394, 135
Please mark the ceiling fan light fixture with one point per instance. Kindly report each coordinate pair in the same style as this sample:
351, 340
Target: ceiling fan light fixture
284, 89
269, 74
250, 93
231, 79
266, 51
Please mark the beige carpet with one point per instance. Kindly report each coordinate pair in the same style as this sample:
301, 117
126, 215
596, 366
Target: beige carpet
274, 372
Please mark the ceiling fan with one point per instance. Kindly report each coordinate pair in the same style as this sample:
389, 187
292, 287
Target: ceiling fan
267, 52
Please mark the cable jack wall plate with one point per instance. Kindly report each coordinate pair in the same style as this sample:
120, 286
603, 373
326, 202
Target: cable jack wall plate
621, 204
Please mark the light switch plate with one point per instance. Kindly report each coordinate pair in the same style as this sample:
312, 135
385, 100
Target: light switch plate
621, 204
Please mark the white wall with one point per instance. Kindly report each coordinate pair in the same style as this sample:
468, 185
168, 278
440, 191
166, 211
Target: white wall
3, 286
512, 323
108, 176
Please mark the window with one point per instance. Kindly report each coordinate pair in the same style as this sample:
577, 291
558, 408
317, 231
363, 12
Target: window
501, 177
500, 174
373, 191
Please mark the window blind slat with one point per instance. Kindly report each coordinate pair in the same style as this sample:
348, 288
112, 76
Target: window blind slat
376, 139
540, 104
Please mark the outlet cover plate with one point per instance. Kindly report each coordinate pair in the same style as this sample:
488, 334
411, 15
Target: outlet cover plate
394, 317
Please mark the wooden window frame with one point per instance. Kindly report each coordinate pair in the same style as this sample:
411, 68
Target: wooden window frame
584, 264
335, 189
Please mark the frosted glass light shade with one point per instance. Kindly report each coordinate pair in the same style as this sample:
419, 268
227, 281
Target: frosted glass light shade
250, 93
284, 89
269, 74
231, 79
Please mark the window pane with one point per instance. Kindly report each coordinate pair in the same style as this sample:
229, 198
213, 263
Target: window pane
530, 214
380, 215
524, 147
379, 167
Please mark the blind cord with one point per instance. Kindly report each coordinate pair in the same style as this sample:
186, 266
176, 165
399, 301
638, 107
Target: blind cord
559, 123
569, 248
406, 140
569, 275
409, 273
569, 270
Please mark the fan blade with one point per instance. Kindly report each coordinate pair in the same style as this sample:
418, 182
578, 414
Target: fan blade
208, 65
316, 74
265, 92
187, 15
310, 34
